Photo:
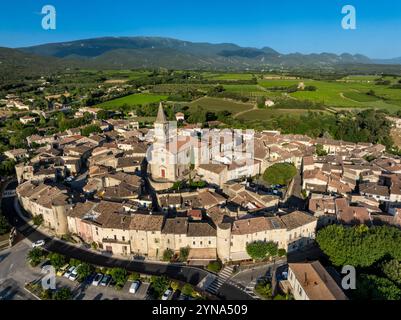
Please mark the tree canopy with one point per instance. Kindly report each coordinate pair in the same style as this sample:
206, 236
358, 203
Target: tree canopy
280, 173
371, 287
392, 270
359, 246
261, 250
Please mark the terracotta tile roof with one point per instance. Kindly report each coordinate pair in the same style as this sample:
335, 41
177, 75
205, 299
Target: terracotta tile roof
175, 226
297, 219
200, 229
147, 222
316, 281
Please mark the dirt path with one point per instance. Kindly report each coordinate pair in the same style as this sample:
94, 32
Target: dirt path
255, 107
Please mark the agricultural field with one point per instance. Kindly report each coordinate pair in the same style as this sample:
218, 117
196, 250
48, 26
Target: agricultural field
228, 76
133, 99
123, 75
247, 90
341, 94
216, 105
171, 88
265, 114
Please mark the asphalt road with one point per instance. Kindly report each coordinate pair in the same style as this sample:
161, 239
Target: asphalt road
182, 273
15, 272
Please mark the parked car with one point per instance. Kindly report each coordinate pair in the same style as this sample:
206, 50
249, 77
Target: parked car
134, 287
97, 279
62, 270
105, 281
74, 274
39, 243
167, 294
68, 272
90, 278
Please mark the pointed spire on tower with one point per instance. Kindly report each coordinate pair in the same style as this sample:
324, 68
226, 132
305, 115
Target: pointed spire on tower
161, 116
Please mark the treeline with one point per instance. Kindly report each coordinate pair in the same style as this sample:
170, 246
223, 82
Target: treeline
364, 126
374, 252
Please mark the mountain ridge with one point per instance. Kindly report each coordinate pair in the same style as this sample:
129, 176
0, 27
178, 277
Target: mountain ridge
158, 52
131, 50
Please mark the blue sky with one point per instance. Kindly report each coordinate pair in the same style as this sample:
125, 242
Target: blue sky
287, 26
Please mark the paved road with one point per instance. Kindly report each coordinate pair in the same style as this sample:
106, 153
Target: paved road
15, 272
182, 273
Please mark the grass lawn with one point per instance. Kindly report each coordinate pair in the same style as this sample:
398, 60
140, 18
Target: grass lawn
133, 99
216, 105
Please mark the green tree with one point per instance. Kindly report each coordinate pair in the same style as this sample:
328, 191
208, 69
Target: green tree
264, 289
119, 275
35, 256
37, 220
88, 130
63, 294
214, 266
371, 287
320, 150
281, 252
260, 250
134, 276
168, 255
84, 271
359, 246
188, 290
280, 173
57, 260
159, 285
184, 253
392, 270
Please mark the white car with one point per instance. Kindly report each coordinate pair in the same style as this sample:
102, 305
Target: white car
167, 294
134, 287
68, 272
97, 280
39, 243
74, 274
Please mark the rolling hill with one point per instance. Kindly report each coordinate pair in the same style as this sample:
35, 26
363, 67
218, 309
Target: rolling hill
148, 52
155, 52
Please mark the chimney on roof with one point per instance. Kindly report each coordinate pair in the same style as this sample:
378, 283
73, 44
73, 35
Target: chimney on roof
306, 282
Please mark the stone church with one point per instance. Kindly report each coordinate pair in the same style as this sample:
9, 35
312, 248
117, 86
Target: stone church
170, 154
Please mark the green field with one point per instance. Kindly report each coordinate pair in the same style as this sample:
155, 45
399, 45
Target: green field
342, 94
265, 114
359, 97
133, 99
216, 105
228, 76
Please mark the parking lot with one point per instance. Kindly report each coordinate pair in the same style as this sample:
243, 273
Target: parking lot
86, 291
